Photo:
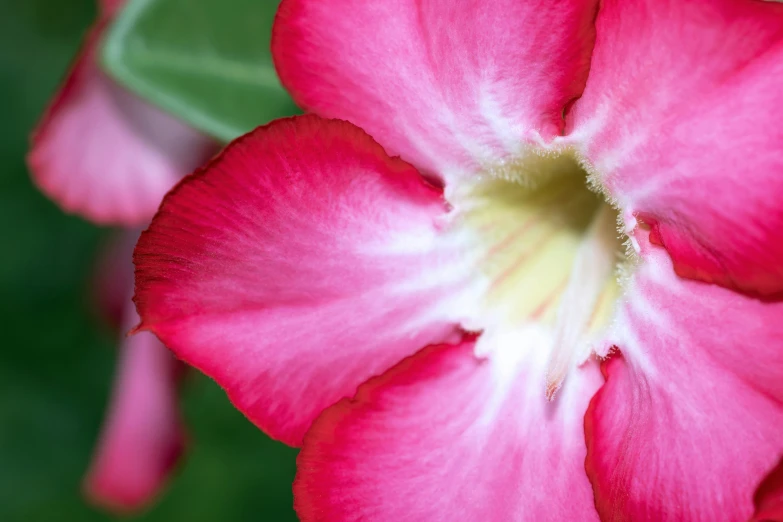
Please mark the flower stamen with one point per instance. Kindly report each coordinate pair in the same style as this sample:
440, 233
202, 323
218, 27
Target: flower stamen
593, 265
545, 248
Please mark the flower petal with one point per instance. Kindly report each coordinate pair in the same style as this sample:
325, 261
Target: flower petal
142, 437
689, 138
449, 86
445, 436
299, 263
769, 497
689, 419
105, 154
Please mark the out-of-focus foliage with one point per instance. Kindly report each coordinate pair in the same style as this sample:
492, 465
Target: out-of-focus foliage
207, 61
56, 360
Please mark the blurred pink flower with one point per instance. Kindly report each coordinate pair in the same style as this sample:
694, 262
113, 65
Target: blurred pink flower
103, 153
143, 436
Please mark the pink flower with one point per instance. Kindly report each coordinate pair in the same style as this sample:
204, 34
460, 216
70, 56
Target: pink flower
103, 153
143, 436
304, 263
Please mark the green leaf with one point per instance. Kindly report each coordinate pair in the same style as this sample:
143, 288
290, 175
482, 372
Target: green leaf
205, 61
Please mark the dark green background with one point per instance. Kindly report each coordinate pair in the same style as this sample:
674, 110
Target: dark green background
57, 357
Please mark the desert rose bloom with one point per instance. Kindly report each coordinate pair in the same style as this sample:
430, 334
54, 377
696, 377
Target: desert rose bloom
103, 153
575, 182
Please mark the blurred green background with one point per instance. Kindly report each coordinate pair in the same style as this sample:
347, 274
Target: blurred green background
57, 356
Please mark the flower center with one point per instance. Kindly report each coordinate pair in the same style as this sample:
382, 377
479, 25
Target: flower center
547, 249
